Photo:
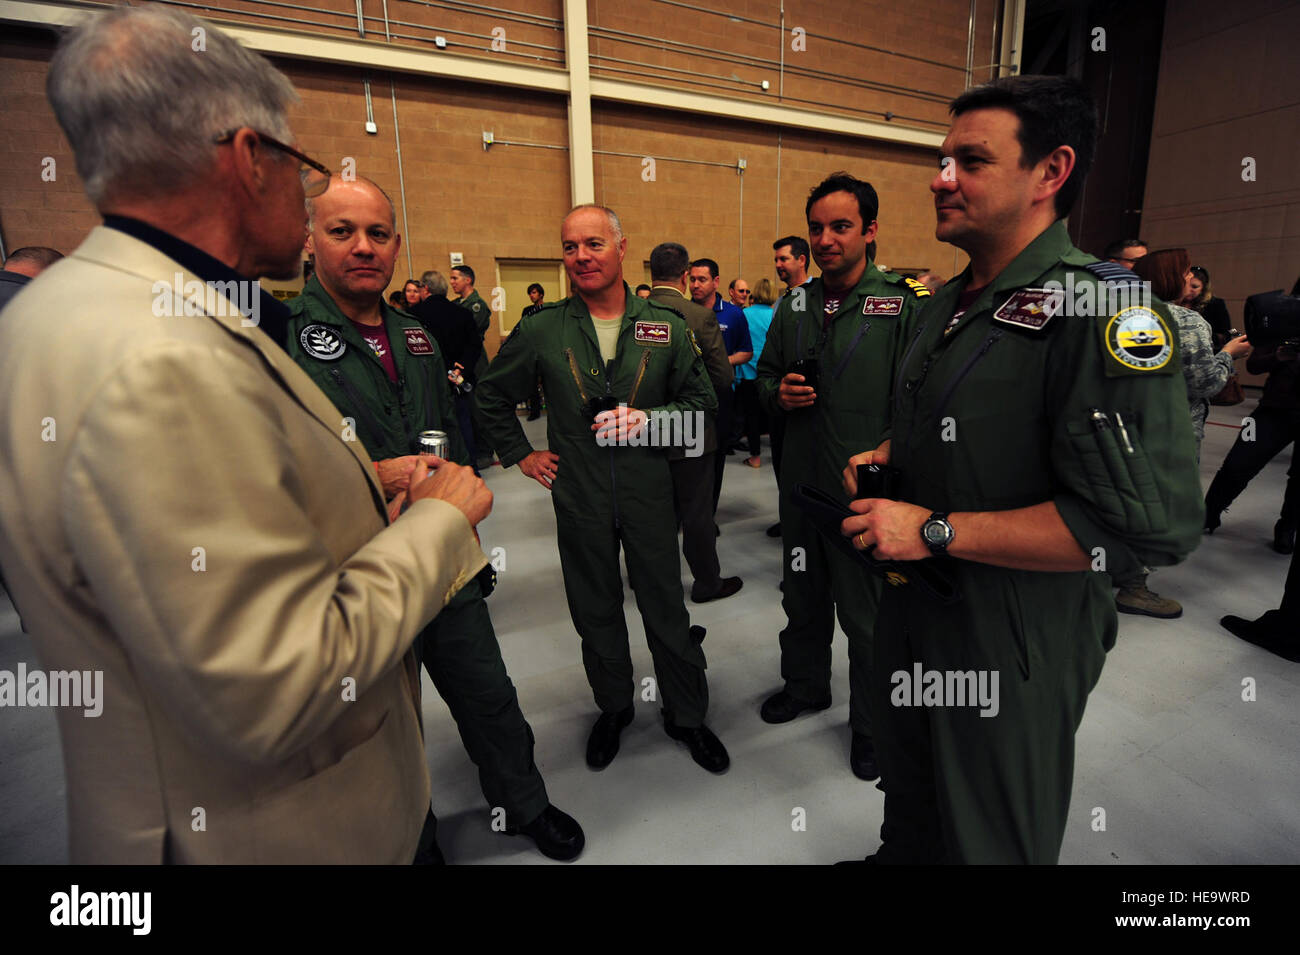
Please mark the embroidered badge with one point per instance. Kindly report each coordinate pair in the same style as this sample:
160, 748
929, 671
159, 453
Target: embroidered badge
877, 305
1030, 308
417, 341
1139, 339
321, 341
655, 333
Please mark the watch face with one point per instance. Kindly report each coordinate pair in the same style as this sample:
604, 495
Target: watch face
935, 532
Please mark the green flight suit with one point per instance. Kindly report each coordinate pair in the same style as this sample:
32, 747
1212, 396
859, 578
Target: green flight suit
1087, 409
459, 646
856, 354
607, 495
474, 304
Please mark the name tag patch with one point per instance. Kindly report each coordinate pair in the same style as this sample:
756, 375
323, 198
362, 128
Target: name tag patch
1030, 308
654, 333
322, 342
886, 305
417, 341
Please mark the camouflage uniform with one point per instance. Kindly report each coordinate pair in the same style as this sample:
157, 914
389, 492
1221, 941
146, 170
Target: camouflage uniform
1205, 371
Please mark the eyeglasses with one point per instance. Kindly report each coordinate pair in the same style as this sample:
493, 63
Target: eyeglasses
315, 176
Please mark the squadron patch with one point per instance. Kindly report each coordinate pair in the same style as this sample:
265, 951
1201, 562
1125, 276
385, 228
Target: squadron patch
654, 333
882, 305
417, 341
918, 287
690, 335
1137, 340
321, 341
1030, 308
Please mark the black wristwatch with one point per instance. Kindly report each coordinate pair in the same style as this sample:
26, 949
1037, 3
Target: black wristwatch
937, 533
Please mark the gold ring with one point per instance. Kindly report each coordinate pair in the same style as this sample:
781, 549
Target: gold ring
862, 545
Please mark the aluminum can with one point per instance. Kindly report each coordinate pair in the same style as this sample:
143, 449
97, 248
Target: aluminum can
434, 442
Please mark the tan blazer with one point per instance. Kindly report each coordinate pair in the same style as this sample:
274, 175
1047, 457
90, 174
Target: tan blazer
713, 350
128, 441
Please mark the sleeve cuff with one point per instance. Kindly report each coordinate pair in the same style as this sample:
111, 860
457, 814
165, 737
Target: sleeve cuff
1117, 558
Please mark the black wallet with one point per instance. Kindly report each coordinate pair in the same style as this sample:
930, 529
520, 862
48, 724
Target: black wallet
826, 514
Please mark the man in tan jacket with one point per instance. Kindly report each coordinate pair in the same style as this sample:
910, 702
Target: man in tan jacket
183, 511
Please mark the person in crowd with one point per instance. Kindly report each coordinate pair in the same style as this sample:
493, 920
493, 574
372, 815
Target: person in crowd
1275, 424
609, 360
536, 297
1125, 252
643, 290
735, 333
1199, 297
1068, 455
692, 473
382, 371
234, 574
759, 317
791, 257
738, 292
453, 329
22, 266
1167, 273
828, 363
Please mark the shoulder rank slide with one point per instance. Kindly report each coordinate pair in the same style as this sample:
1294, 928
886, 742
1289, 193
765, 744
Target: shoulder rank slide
1029, 308
917, 287
1111, 272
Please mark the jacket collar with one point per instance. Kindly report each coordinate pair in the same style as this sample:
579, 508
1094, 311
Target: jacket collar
125, 252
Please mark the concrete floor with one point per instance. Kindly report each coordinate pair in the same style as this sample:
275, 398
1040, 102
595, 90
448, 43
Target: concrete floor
1185, 770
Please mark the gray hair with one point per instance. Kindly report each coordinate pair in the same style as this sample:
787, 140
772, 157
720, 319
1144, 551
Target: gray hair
142, 91
610, 215
435, 282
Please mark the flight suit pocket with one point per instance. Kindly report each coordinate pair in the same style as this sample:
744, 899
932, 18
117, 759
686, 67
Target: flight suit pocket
1116, 468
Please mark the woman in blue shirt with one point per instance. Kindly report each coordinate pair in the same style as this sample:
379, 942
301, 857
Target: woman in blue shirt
759, 316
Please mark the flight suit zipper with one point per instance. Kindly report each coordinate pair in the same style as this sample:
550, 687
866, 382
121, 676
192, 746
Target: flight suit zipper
613, 480
577, 378
640, 373
902, 367
965, 370
362, 412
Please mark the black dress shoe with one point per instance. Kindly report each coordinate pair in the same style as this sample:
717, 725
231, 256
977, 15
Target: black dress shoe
781, 707
557, 834
1270, 632
774, 530
698, 633
862, 758
602, 744
730, 587
1283, 537
706, 748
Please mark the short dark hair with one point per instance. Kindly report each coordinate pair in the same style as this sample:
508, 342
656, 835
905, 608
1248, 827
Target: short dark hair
706, 264
1053, 111
464, 270
668, 262
868, 201
42, 255
536, 286
642, 286
1165, 269
1116, 249
798, 247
